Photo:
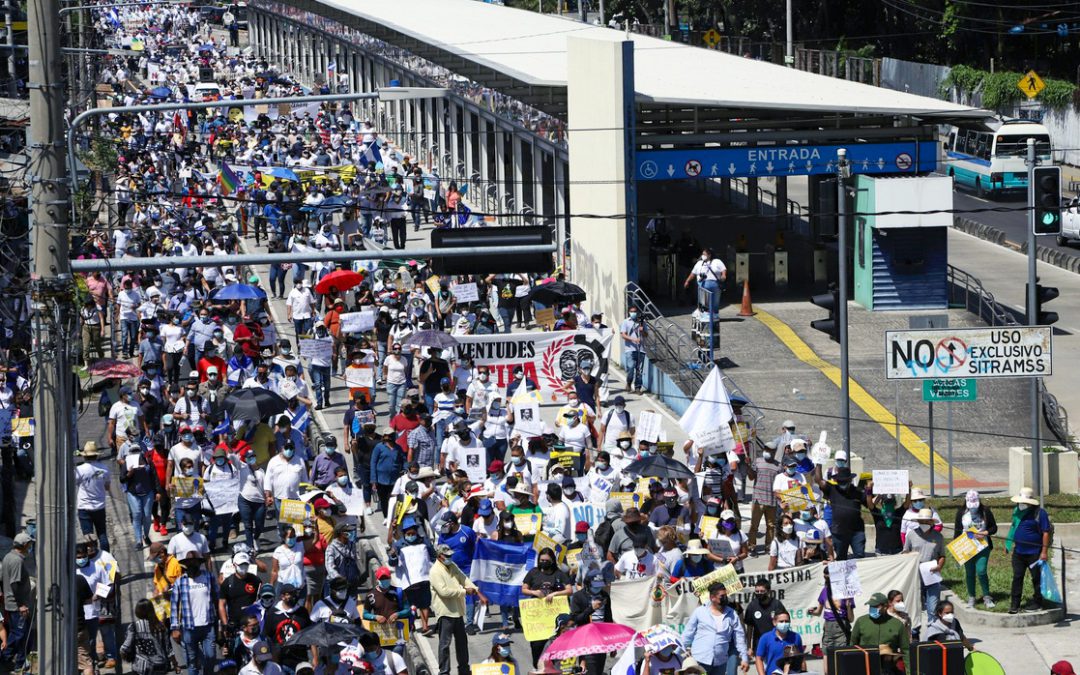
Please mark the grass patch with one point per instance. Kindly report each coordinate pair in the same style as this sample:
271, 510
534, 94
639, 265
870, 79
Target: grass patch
999, 570
1062, 509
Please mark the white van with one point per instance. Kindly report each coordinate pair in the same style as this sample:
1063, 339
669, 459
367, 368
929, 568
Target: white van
1070, 223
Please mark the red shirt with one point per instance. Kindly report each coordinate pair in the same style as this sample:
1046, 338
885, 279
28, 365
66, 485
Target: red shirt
250, 347
402, 424
205, 363
158, 461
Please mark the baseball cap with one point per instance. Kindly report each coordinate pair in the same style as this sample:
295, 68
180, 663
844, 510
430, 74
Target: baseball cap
582, 526
1062, 668
495, 466
877, 600
790, 461
241, 559
383, 573
22, 539
266, 591
443, 549
260, 651
500, 639
485, 508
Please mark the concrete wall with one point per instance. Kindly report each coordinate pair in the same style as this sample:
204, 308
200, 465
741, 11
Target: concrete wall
600, 99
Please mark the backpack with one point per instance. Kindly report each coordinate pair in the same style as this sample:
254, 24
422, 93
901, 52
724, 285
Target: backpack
604, 534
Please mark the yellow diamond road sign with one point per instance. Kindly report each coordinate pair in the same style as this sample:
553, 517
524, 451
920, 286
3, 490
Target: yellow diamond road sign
712, 37
1031, 84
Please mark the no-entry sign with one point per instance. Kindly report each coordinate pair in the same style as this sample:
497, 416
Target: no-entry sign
1017, 351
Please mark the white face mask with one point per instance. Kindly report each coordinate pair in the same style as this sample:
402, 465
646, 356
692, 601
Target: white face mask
788, 529
925, 527
900, 607
948, 617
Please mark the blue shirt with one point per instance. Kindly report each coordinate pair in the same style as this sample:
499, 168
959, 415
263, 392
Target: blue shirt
1029, 531
771, 647
709, 637
633, 329
464, 544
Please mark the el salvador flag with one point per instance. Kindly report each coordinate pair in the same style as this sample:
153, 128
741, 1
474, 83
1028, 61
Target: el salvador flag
225, 426
499, 569
372, 154
464, 213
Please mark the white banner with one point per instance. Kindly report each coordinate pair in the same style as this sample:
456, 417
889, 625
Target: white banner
549, 359
221, 494
358, 322
1016, 351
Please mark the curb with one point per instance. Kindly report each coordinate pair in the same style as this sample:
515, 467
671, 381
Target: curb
1062, 259
976, 617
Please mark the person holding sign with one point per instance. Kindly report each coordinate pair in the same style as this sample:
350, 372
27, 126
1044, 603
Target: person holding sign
978, 518
501, 652
930, 546
547, 582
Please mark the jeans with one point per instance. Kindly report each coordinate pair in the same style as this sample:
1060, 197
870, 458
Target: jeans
496, 449
130, 336
141, 509
219, 522
20, 634
194, 512
91, 521
635, 364
453, 628
320, 379
277, 280
362, 479
713, 286
856, 542
395, 394
253, 515
506, 314
1020, 563
302, 326
199, 650
930, 595
976, 567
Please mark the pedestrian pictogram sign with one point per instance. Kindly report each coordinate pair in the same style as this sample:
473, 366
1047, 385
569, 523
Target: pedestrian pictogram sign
1031, 84
712, 38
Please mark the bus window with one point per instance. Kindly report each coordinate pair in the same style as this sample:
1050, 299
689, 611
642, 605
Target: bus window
982, 151
1016, 145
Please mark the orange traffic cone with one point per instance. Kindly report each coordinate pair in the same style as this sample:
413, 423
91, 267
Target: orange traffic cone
747, 309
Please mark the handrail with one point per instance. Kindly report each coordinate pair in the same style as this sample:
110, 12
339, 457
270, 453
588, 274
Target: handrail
965, 289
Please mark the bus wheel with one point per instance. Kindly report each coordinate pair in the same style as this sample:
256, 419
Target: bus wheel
979, 189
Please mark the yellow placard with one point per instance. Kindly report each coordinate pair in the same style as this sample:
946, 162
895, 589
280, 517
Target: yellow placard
799, 498
725, 575
709, 526
573, 558
628, 499
538, 616
390, 634
493, 669
162, 606
433, 284
966, 546
402, 507
566, 458
184, 487
295, 511
545, 317
529, 523
543, 540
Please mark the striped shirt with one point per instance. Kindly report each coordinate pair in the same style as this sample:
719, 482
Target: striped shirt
193, 601
766, 473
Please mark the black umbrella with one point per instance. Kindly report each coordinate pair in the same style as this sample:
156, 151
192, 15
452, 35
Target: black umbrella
660, 467
430, 338
325, 634
253, 404
557, 292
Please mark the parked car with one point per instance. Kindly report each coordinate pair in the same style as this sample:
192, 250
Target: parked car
1070, 223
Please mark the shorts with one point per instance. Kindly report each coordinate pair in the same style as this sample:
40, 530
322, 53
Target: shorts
315, 578
833, 636
419, 595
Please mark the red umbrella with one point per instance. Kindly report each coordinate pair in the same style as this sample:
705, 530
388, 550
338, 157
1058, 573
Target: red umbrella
340, 280
112, 368
592, 638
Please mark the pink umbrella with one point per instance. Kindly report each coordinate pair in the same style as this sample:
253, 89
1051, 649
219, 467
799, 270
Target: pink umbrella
592, 638
112, 368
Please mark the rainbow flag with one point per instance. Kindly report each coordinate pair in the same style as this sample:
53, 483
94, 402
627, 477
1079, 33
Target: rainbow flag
228, 179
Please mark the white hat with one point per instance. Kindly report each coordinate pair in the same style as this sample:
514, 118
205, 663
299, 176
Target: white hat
788, 424
798, 444
1026, 496
925, 514
241, 559
694, 547
917, 493
841, 454
726, 514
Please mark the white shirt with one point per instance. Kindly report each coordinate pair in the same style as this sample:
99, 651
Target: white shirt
468, 457
600, 484
290, 564
269, 668
784, 551
557, 522
125, 415
283, 477
785, 482
712, 269
630, 567
575, 436
181, 545
300, 301
179, 452
92, 480
481, 392
322, 611
94, 575
251, 483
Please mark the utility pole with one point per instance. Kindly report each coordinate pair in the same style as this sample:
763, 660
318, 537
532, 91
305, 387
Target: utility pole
789, 49
841, 309
8, 24
54, 325
1033, 320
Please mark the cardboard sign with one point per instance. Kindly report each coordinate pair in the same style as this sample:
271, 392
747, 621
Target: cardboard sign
538, 616
465, 292
966, 546
648, 426
358, 322
529, 523
844, 579
573, 558
184, 487
725, 575
295, 511
222, 493
660, 638
390, 634
543, 540
709, 527
363, 377
322, 348
722, 548
890, 481
433, 284
545, 317
799, 498
627, 499
527, 420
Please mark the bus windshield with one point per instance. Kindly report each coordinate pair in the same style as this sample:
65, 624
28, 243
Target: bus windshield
1015, 145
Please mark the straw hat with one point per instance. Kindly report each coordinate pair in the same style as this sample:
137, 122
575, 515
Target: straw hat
917, 493
90, 450
925, 515
1026, 496
694, 547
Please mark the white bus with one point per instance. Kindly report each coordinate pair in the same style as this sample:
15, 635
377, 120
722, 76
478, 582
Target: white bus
992, 162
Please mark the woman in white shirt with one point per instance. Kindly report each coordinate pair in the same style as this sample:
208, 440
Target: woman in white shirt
252, 499
220, 470
785, 550
175, 346
288, 561
395, 370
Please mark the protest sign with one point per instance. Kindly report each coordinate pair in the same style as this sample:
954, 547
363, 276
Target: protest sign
966, 546
295, 511
722, 548
494, 668
538, 616
890, 481
627, 499
648, 426
222, 494
352, 501
708, 526
659, 638
543, 540
401, 507
365, 417
433, 284
358, 322
573, 558
465, 292
287, 389
725, 575
527, 420
319, 348
184, 487
799, 498
844, 579
528, 523
362, 377
715, 439
545, 317
390, 634
591, 513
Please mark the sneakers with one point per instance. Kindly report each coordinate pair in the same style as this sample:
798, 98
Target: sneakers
988, 602
971, 603
1033, 606
1014, 610
472, 629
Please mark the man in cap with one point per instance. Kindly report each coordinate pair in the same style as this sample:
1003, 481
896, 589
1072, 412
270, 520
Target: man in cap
92, 480
17, 579
167, 568
788, 478
338, 606
262, 661
125, 419
930, 546
285, 619
877, 627
341, 556
238, 591
847, 501
449, 587
1029, 538
299, 308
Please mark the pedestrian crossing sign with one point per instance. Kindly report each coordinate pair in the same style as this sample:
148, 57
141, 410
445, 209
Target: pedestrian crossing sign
1031, 84
711, 37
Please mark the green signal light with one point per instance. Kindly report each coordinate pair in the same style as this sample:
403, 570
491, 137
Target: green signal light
1049, 218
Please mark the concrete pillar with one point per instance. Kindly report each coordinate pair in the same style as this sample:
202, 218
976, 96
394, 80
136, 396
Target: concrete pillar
471, 139
518, 177
752, 195
600, 95
500, 171
537, 186
781, 201
562, 189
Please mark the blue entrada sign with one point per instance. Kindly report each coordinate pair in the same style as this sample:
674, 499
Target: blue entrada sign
786, 160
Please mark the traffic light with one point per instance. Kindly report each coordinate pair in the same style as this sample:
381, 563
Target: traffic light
1047, 189
486, 263
1043, 294
831, 302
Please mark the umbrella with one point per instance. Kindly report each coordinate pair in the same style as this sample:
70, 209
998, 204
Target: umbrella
112, 368
238, 292
430, 338
592, 638
280, 173
342, 280
329, 205
161, 92
660, 467
324, 634
557, 292
253, 404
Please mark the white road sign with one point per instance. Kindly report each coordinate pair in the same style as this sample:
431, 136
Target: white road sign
1017, 351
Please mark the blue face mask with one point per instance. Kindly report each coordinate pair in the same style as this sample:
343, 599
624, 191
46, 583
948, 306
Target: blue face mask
290, 541
81, 562
918, 504
384, 584
342, 480
875, 612
252, 460
329, 449
219, 461
288, 453
411, 538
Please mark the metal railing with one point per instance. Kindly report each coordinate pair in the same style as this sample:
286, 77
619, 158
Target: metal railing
671, 348
965, 290
793, 210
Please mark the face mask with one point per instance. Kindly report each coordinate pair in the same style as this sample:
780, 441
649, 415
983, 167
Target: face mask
252, 460
573, 403
644, 453
266, 602
483, 377
712, 510
204, 319
518, 376
788, 529
504, 651
384, 584
342, 480
308, 531
900, 607
188, 438
81, 562
695, 558
290, 541
948, 617
807, 516
783, 626
624, 444
728, 525
917, 504
841, 463
620, 409
288, 453
285, 351
573, 421
340, 595
671, 503
219, 461
704, 258
790, 471
188, 529
517, 460
459, 411
176, 322
144, 390
1023, 507
411, 538
875, 612
925, 527
547, 564
761, 597
800, 456
767, 455
581, 536
189, 472
601, 466
329, 449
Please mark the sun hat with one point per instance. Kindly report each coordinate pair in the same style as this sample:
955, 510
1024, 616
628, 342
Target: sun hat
1026, 496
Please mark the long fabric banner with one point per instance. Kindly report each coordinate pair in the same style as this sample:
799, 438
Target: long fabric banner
643, 603
551, 360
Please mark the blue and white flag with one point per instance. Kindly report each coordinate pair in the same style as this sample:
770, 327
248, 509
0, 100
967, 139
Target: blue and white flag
371, 154
225, 426
463, 214
499, 569
300, 419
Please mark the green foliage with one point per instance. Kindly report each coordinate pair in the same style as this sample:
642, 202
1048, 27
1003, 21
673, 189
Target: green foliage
102, 157
999, 91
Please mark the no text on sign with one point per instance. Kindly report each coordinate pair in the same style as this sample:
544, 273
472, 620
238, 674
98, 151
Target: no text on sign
950, 389
1016, 351
1031, 84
